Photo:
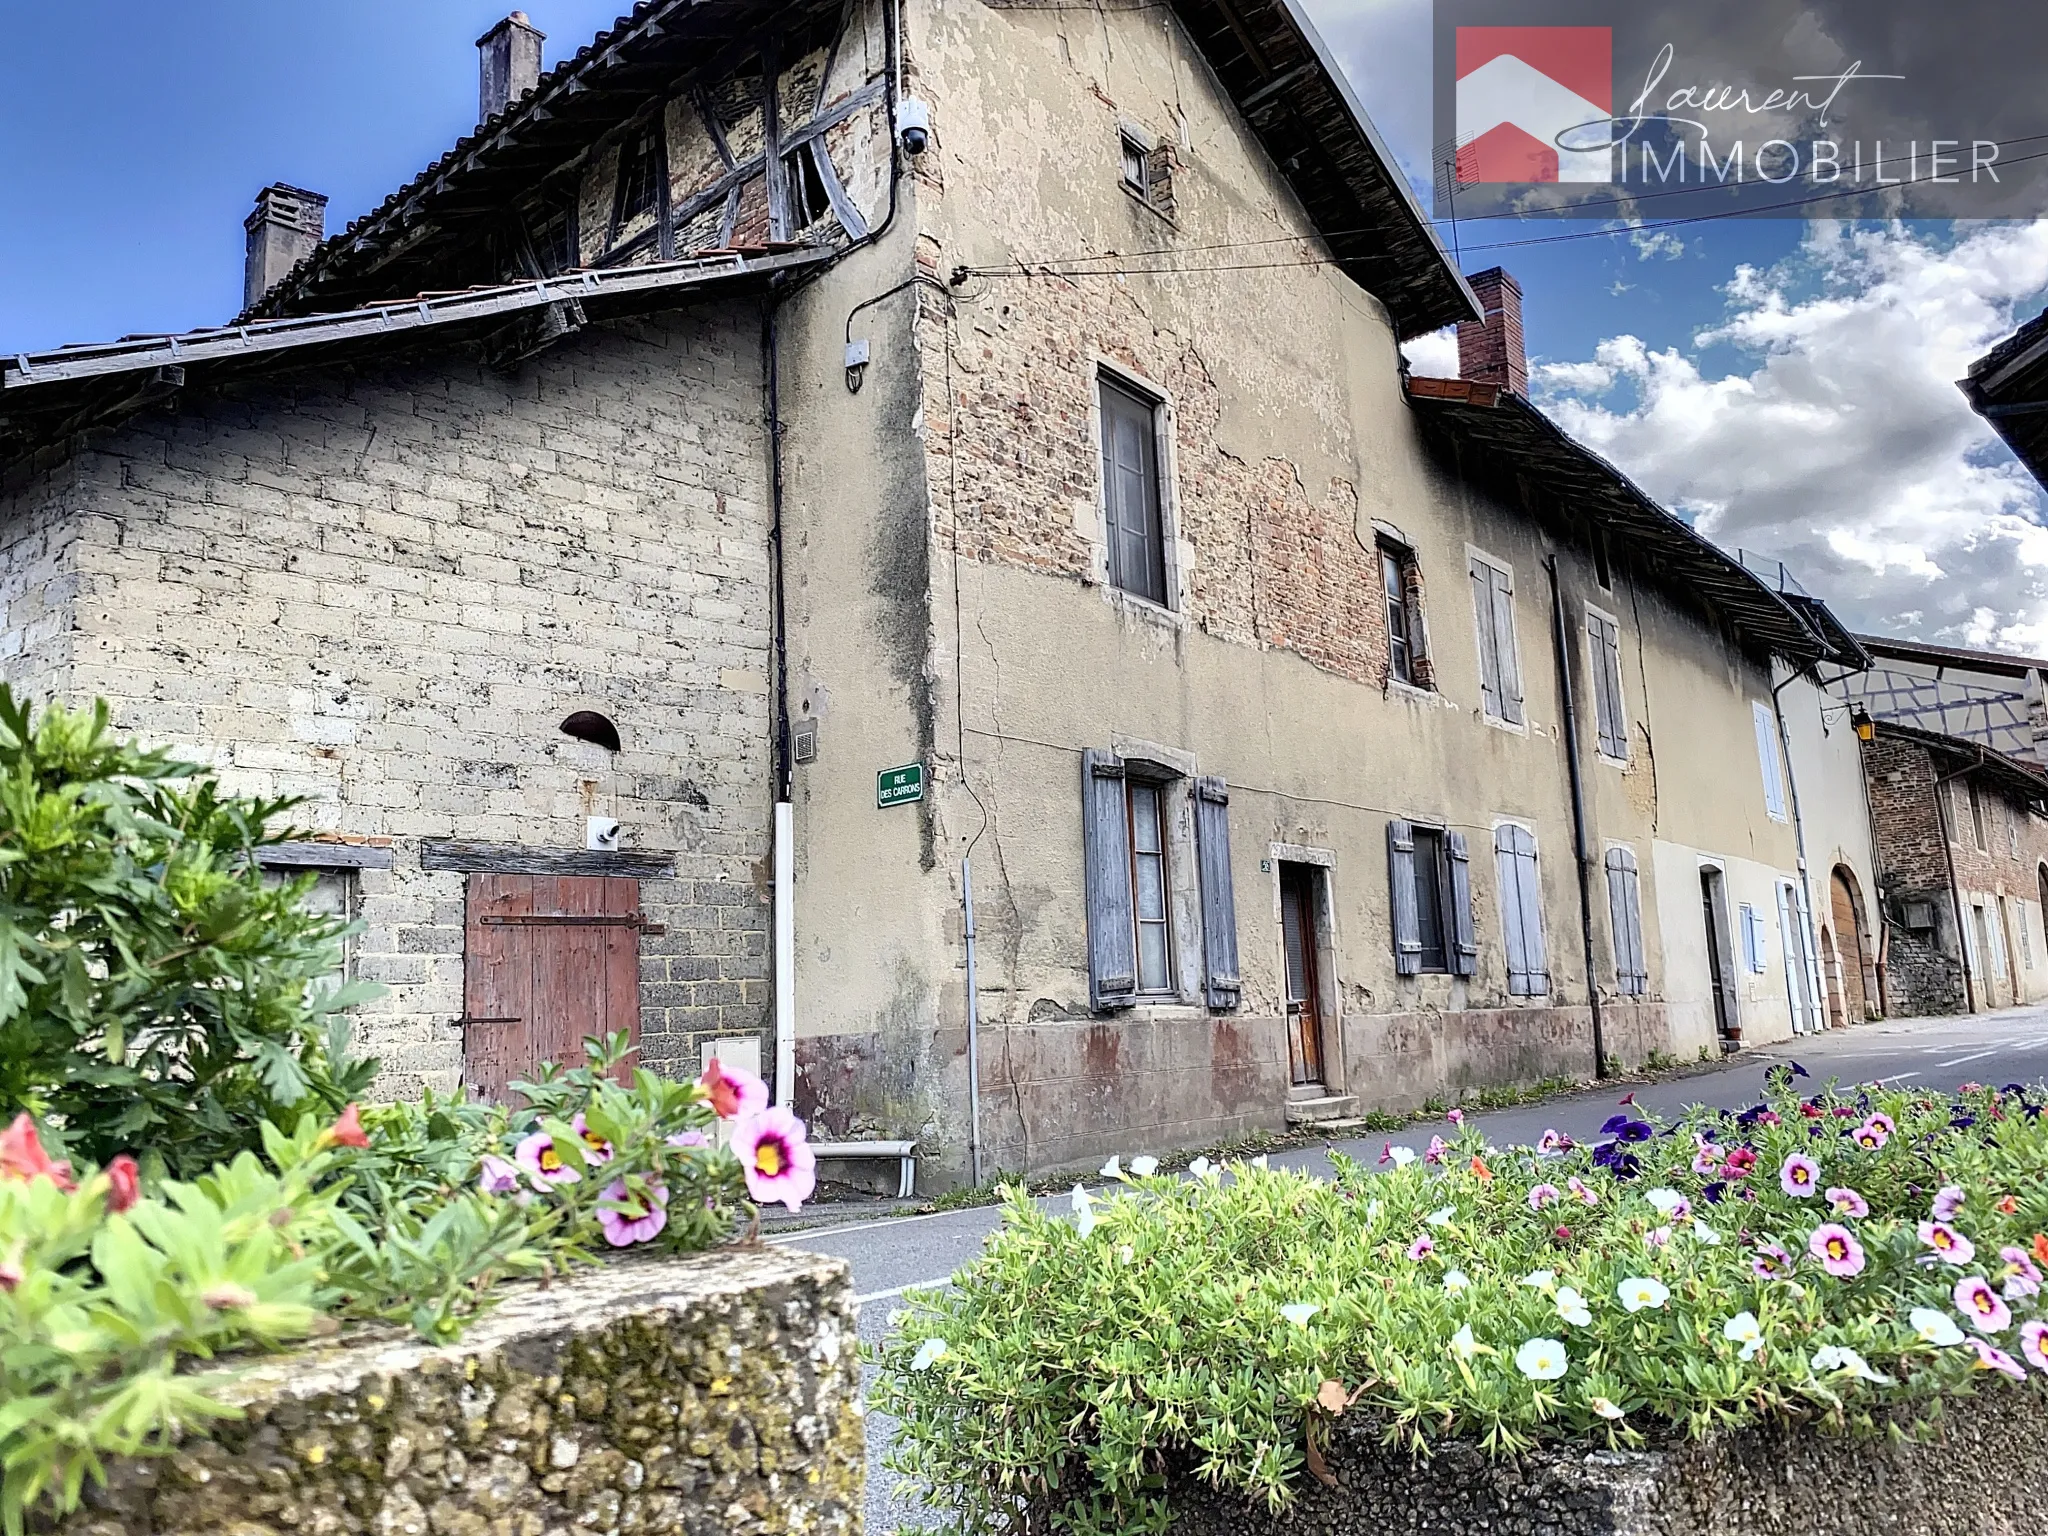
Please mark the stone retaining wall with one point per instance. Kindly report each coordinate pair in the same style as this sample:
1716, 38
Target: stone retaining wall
1980, 1472
711, 1396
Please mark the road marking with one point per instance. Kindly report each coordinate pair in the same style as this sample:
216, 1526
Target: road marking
1974, 1056
814, 1234
897, 1290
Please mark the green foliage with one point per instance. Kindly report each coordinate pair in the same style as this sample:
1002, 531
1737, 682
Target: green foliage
1219, 1324
155, 991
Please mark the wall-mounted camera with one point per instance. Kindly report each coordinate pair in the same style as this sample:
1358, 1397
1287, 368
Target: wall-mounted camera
913, 125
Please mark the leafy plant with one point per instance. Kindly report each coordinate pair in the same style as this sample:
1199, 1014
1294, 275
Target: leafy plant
1841, 1257
155, 990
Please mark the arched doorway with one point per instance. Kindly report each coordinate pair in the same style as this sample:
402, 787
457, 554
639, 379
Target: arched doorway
1831, 973
1852, 946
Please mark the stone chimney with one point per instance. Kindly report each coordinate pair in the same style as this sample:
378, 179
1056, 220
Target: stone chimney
285, 226
508, 64
1490, 350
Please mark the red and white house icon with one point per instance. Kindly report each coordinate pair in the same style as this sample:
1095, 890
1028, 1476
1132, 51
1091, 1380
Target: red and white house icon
1519, 89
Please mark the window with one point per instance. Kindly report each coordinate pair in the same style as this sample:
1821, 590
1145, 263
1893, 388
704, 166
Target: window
1141, 885
1500, 669
1625, 917
1754, 948
1601, 569
1407, 640
1521, 910
1767, 759
805, 187
1603, 640
639, 177
1133, 523
1977, 818
2012, 839
1137, 157
1147, 169
1429, 872
554, 239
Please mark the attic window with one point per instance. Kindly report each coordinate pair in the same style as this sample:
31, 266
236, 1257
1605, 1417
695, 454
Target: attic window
1137, 156
554, 238
588, 725
808, 199
639, 177
1147, 169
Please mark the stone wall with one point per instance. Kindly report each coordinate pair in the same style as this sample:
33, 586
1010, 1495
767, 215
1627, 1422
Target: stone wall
716, 1394
1978, 1474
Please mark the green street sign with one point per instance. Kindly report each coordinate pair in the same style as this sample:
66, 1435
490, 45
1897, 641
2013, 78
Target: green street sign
899, 786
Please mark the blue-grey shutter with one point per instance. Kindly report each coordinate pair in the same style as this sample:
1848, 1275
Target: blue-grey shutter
1625, 919
1609, 717
1507, 876
1506, 652
1464, 944
1401, 886
1106, 842
1532, 913
1521, 911
1219, 900
1489, 657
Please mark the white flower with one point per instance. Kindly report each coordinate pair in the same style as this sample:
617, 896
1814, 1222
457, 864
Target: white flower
1202, 1168
1744, 1329
1444, 1217
1259, 1161
1639, 1292
1839, 1357
1463, 1345
1112, 1169
1544, 1280
1402, 1156
1144, 1166
1541, 1360
1705, 1233
1571, 1306
1936, 1328
1606, 1407
928, 1353
1126, 1254
1084, 1210
1666, 1200
1299, 1312
1456, 1280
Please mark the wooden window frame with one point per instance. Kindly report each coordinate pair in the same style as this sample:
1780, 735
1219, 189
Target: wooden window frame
1166, 989
1397, 561
653, 135
1439, 857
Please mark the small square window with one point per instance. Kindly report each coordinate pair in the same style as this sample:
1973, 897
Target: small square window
1137, 157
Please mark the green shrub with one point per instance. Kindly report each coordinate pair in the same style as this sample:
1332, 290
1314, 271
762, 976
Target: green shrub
155, 990
1219, 1325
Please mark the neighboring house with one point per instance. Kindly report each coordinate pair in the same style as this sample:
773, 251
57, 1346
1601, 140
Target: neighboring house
2008, 387
1962, 853
784, 502
1987, 696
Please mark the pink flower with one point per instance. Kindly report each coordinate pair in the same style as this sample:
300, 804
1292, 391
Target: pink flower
1980, 1305
1799, 1176
1542, 1195
595, 1148
1948, 1244
1740, 1161
1947, 1201
1436, 1151
1584, 1195
1456, 1117
1882, 1122
1990, 1359
627, 1220
498, 1177
1553, 1143
2034, 1344
1771, 1262
1847, 1202
775, 1157
536, 1154
1837, 1249
689, 1139
732, 1094
2023, 1277
1658, 1237
124, 1183
1707, 1160
22, 1155
1421, 1248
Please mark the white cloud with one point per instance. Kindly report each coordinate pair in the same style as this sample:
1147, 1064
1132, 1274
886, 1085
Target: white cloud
1841, 444
1435, 355
1651, 244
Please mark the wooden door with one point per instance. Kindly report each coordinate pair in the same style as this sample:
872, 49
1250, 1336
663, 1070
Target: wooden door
1849, 944
1298, 939
548, 960
1719, 961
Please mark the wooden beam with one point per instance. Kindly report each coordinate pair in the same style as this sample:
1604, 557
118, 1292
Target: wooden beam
518, 859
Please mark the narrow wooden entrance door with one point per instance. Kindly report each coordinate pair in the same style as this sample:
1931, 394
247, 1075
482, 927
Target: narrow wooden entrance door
1298, 939
548, 960
1718, 956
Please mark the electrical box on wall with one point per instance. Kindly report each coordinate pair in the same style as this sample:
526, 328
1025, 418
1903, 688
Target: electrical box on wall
803, 741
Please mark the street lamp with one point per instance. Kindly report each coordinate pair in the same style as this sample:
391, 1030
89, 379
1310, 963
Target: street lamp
1863, 725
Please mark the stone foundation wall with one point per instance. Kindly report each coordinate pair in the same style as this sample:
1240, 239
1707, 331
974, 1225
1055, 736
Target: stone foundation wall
710, 1396
1978, 1473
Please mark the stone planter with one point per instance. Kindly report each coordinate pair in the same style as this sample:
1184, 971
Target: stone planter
711, 1396
1981, 1472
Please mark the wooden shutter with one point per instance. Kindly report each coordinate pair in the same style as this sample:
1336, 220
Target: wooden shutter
1521, 911
1605, 638
1401, 887
1767, 760
1625, 919
1219, 900
1489, 656
1508, 657
1106, 848
1464, 944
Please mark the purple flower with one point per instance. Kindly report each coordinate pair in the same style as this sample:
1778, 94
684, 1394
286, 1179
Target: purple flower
1434, 1153
1553, 1143
1990, 1359
1847, 1202
1542, 1195
1947, 1243
1771, 1262
1712, 1193
1837, 1249
1636, 1130
1980, 1305
2023, 1276
543, 1164
1947, 1201
1707, 1159
595, 1148
1421, 1248
1870, 1135
499, 1176
1456, 1117
1612, 1124
1799, 1176
2034, 1344
627, 1219
689, 1139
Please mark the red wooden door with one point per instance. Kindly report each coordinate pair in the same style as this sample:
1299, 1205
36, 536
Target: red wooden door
548, 960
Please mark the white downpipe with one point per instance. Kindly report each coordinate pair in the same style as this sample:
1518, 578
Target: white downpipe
785, 953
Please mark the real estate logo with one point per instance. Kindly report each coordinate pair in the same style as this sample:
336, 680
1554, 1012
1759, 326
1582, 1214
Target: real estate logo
1535, 104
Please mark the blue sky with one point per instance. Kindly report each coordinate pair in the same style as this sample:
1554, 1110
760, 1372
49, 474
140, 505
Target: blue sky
1789, 386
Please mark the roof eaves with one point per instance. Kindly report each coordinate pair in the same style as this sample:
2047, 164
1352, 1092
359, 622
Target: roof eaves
2024, 777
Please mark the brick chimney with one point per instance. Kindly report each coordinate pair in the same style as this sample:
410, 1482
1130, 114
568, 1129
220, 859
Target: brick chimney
508, 64
1490, 350
283, 229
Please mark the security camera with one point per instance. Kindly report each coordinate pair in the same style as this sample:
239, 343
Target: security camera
601, 834
913, 125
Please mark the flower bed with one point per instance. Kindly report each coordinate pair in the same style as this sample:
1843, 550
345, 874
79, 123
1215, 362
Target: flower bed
1845, 1262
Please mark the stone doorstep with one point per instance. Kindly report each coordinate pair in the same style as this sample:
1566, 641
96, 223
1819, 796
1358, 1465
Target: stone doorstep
1331, 1109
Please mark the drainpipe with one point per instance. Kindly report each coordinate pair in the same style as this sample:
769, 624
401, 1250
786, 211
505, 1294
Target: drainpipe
1585, 852
973, 1031
1812, 966
1955, 889
785, 816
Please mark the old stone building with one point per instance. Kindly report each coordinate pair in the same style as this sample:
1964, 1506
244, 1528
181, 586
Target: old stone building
1962, 850
793, 460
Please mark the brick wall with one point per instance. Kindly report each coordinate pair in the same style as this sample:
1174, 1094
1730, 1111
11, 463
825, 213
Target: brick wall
383, 591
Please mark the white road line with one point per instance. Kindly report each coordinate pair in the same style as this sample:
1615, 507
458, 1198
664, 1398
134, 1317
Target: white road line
1973, 1056
897, 1290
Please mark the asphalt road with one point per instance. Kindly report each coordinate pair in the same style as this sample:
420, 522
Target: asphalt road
895, 1254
